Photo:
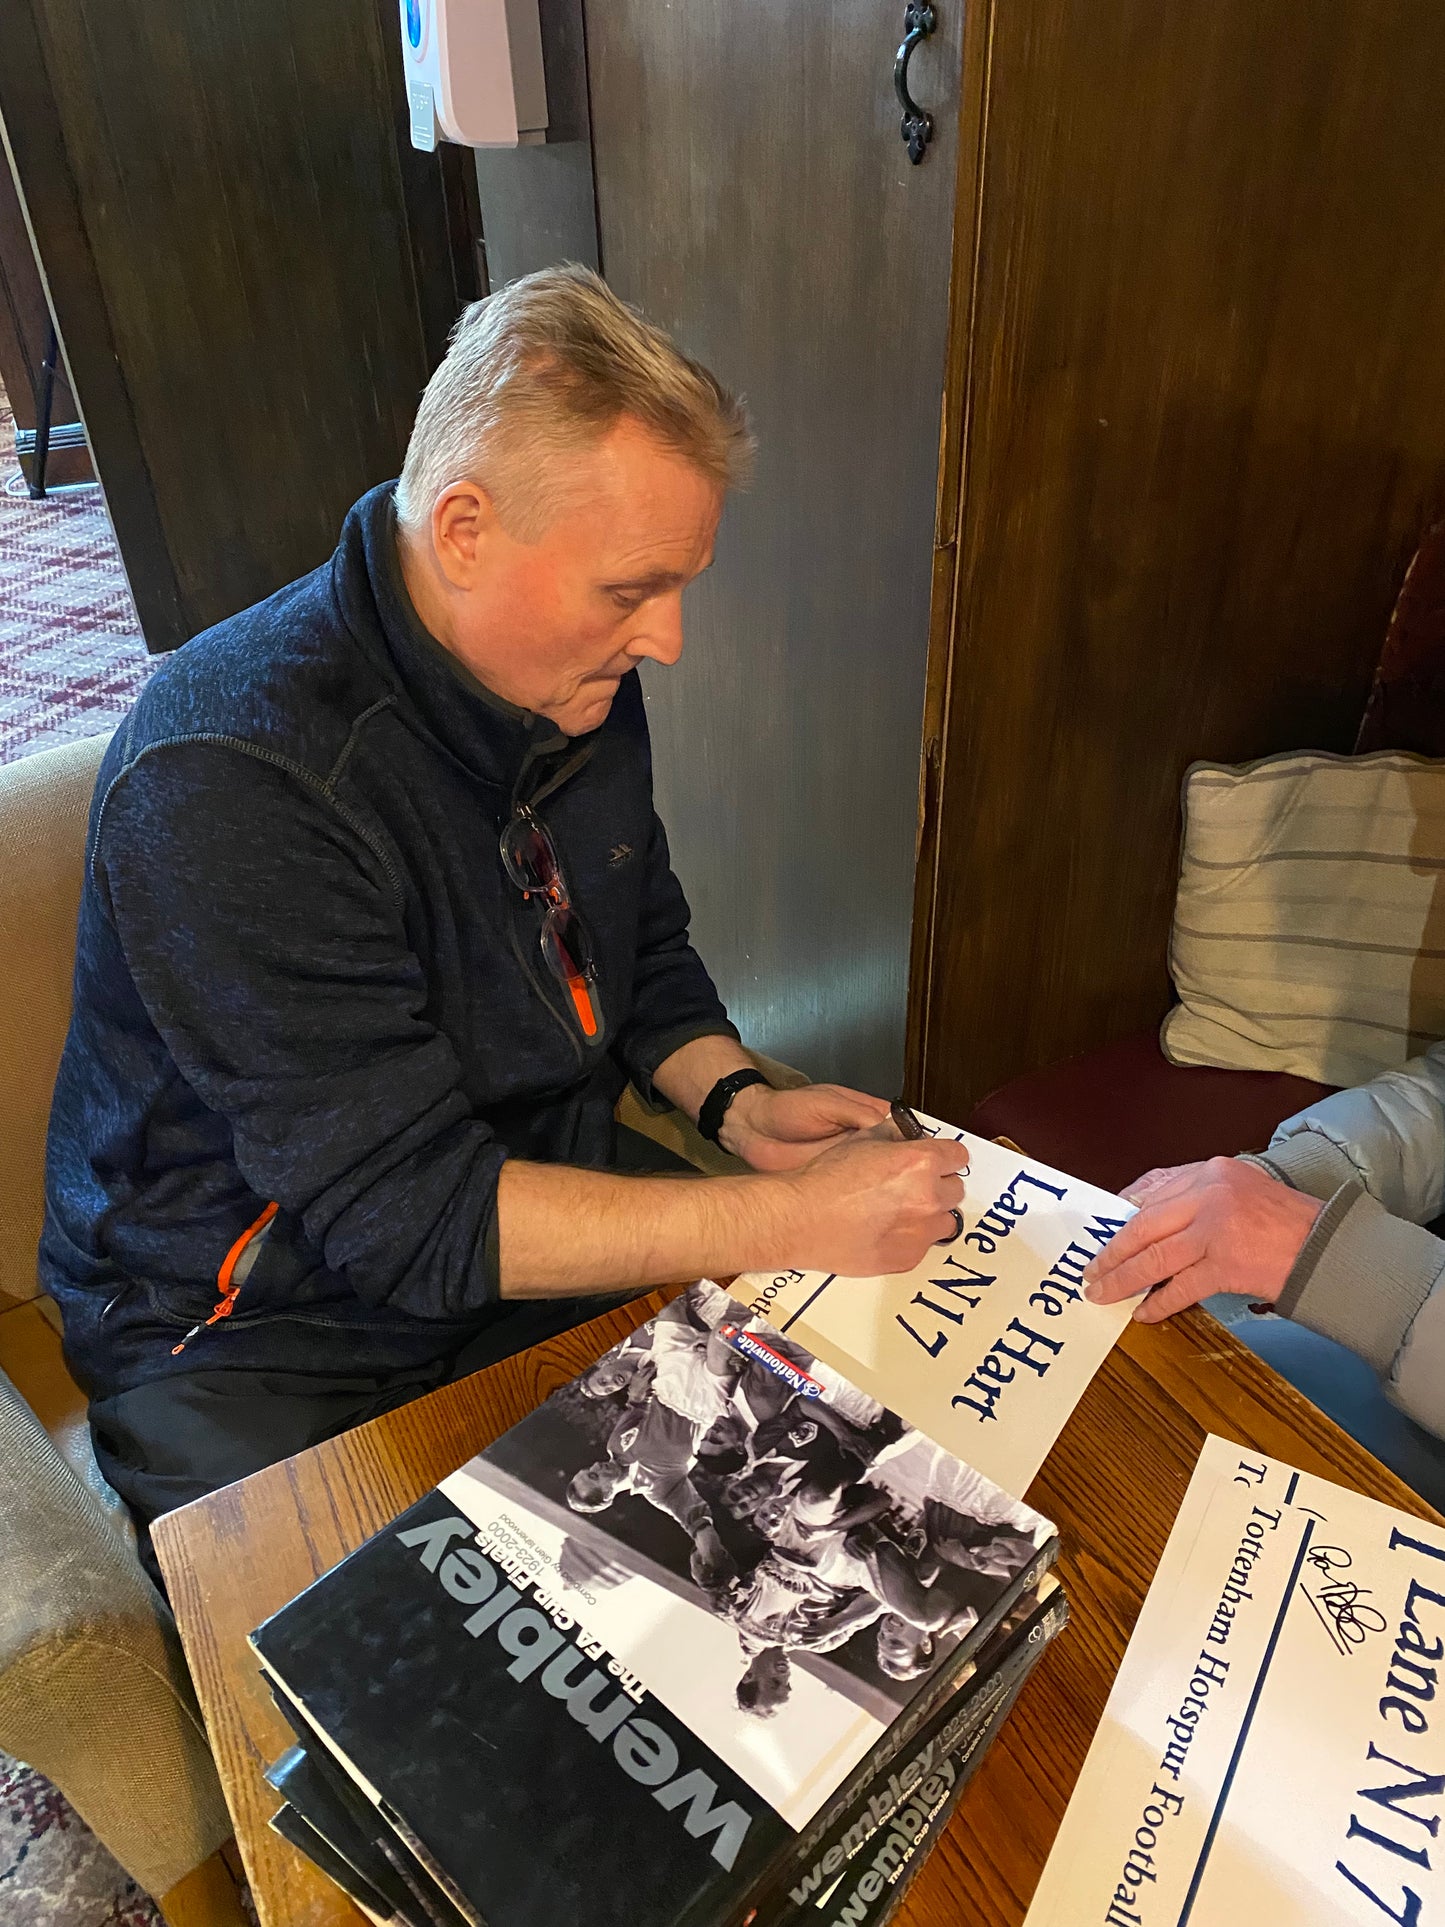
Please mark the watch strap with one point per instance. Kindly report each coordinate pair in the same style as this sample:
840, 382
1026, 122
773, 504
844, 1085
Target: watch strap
715, 1104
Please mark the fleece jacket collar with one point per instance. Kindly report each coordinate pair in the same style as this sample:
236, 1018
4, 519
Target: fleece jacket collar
521, 754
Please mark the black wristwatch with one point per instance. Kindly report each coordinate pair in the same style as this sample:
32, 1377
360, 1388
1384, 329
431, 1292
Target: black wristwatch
715, 1104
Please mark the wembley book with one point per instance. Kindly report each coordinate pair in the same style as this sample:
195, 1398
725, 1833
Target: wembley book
870, 1892
901, 1805
628, 1661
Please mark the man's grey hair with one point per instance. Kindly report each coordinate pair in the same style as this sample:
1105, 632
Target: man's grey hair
539, 372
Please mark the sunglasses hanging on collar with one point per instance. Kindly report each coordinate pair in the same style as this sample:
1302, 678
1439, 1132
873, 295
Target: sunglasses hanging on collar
530, 859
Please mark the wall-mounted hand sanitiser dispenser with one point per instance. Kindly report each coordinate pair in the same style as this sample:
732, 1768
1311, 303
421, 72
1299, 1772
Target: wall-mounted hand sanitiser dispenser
474, 72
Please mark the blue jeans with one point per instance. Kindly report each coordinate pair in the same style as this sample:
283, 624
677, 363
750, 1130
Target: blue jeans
1344, 1387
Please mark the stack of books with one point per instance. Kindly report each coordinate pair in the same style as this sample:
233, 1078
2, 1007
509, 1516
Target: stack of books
714, 1637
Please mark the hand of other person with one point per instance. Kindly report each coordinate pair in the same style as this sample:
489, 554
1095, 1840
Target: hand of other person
783, 1130
1201, 1229
865, 1208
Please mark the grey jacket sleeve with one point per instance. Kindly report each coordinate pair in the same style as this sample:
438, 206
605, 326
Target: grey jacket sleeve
1391, 1132
1367, 1276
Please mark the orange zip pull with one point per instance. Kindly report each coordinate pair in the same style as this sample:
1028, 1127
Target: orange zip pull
226, 1303
586, 1016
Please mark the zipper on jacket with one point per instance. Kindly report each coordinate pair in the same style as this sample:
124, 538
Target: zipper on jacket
275, 1316
227, 1284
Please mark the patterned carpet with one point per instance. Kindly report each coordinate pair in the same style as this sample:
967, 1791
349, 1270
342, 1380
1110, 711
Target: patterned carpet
71, 661
71, 654
53, 1870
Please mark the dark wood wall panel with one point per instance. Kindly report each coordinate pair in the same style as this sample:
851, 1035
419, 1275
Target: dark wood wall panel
35, 152
1205, 428
226, 208
24, 338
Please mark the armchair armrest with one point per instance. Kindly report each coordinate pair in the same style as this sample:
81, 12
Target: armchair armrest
93, 1688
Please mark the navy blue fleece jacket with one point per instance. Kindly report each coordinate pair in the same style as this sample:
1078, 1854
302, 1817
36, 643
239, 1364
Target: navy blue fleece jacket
303, 978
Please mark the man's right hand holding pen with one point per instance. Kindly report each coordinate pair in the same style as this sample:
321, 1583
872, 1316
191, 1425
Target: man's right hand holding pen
877, 1201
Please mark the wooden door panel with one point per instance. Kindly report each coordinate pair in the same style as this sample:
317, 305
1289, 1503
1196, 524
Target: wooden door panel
755, 198
252, 272
1206, 428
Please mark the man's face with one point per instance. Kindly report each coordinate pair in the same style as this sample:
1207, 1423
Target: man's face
553, 625
746, 1491
770, 1514
903, 1651
604, 1379
595, 1486
766, 1684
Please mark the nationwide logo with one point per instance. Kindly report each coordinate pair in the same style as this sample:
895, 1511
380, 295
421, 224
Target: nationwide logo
762, 1353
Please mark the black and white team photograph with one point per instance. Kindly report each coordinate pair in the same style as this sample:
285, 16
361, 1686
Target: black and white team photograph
786, 1558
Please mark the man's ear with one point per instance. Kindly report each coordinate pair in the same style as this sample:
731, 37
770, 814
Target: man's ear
464, 526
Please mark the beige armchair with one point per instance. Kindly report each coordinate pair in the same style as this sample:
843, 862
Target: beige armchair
93, 1689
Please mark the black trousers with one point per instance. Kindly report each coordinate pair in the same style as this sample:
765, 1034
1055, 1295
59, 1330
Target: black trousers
163, 1444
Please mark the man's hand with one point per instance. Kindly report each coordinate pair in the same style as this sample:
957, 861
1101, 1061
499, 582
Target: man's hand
782, 1130
1202, 1228
712, 1565
864, 1207
770, 1130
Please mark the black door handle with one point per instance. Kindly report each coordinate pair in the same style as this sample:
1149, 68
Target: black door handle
919, 20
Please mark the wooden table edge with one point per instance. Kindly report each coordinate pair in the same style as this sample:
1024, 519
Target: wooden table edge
315, 1497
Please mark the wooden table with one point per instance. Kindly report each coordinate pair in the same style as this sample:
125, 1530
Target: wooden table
1112, 1484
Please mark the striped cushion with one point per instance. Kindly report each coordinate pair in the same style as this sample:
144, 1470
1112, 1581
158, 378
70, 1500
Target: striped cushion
1309, 929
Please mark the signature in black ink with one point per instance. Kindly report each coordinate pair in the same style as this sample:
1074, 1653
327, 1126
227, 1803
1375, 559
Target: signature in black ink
1339, 1604
1328, 1559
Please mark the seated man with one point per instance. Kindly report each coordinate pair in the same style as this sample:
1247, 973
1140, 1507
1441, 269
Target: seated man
1326, 1227
378, 921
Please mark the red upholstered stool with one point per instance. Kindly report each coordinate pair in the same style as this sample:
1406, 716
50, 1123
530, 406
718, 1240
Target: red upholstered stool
1115, 1113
